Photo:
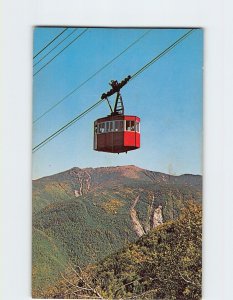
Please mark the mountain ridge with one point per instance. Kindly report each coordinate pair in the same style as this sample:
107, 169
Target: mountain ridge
114, 167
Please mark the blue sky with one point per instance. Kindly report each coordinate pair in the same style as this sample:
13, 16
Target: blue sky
167, 97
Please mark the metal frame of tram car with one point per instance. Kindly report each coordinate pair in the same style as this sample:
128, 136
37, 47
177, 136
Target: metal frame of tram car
117, 132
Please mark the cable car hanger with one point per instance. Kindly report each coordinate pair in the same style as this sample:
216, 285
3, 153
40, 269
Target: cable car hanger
116, 86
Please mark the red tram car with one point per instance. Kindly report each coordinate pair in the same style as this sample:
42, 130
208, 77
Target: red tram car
117, 132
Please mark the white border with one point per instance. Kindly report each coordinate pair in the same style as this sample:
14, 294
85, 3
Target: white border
16, 54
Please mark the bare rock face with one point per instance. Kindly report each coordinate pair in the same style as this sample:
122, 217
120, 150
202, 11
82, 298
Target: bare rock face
81, 180
76, 193
155, 218
135, 221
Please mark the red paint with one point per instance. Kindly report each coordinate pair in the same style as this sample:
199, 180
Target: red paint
116, 134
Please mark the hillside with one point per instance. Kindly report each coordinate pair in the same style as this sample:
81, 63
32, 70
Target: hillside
88, 214
165, 263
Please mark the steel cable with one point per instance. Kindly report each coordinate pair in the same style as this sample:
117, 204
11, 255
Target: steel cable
60, 51
43, 57
50, 43
89, 78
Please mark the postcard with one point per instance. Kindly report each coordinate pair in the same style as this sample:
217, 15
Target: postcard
117, 163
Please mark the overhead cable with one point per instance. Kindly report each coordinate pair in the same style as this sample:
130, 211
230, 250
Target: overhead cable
89, 78
162, 54
50, 43
52, 136
61, 51
43, 57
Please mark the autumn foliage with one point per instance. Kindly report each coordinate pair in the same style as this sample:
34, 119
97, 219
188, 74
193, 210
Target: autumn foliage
163, 264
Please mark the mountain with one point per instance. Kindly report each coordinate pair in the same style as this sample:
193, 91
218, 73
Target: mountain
81, 216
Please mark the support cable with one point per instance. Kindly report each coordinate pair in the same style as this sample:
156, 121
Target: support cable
61, 51
43, 57
89, 78
162, 54
52, 136
50, 43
